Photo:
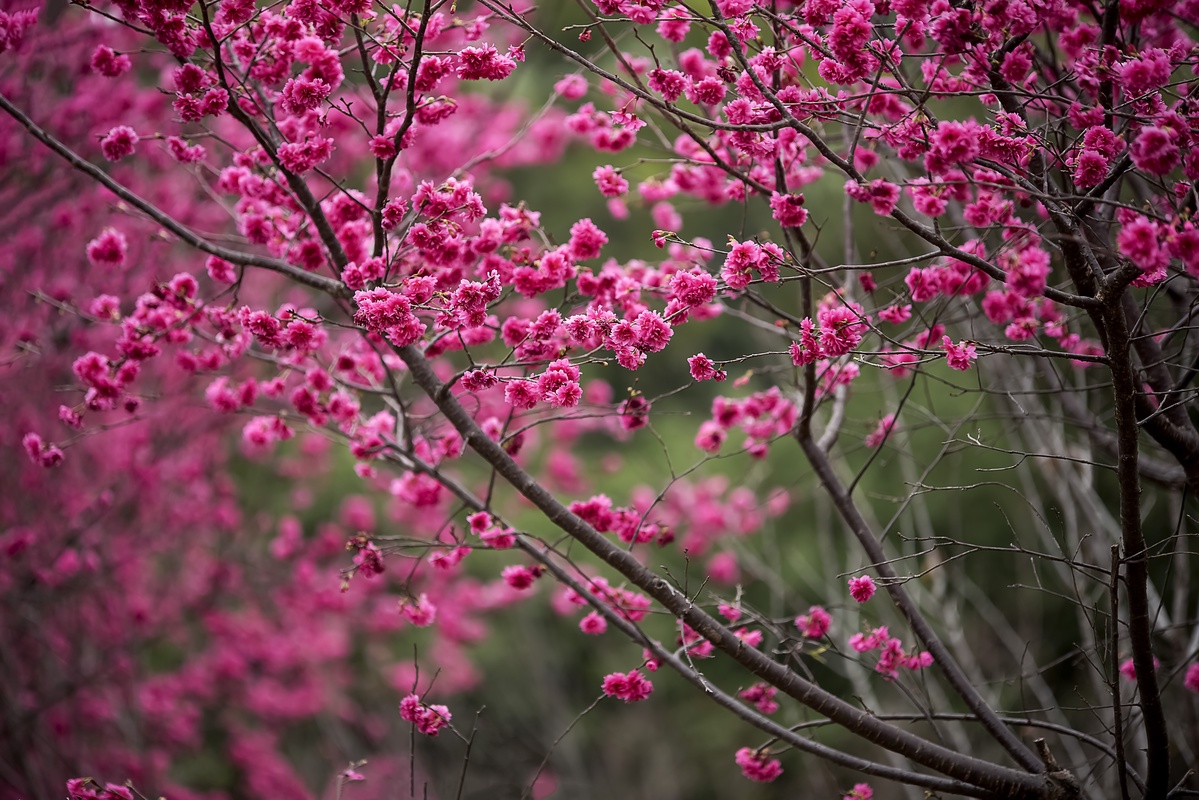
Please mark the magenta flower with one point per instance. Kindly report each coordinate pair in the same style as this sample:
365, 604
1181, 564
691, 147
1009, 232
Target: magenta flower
630, 687
960, 356
861, 589
758, 766
815, 623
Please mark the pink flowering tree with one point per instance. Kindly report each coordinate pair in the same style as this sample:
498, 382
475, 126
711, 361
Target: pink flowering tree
271, 250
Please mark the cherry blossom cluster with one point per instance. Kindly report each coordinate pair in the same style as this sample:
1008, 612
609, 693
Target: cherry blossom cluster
630, 687
306, 220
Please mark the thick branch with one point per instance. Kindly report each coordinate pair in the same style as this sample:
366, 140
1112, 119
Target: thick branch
1136, 556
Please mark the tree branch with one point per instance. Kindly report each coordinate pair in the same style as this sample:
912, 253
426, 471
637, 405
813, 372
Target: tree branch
326, 285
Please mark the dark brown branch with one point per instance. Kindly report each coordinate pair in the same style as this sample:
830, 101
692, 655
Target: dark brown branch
1136, 556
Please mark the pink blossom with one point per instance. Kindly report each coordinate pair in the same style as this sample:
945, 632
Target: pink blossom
558, 386
520, 577
428, 719
668, 82
593, 624
674, 24
499, 538
1155, 151
447, 560
634, 412
960, 356
41, 453
1129, 670
108, 63
710, 437
586, 239
751, 638
896, 314
952, 143
1191, 681
484, 63
882, 195
479, 522
1140, 241
861, 589
807, 350
82, 789
609, 181
300, 157
108, 249
382, 147
703, 369
758, 766
788, 209
860, 791
1103, 141
70, 417
369, 560
1150, 71
722, 568
761, 695
708, 91
185, 153
841, 329
420, 611
1090, 168
694, 287
571, 87
630, 687
815, 623
881, 431
924, 283
119, 143
301, 94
